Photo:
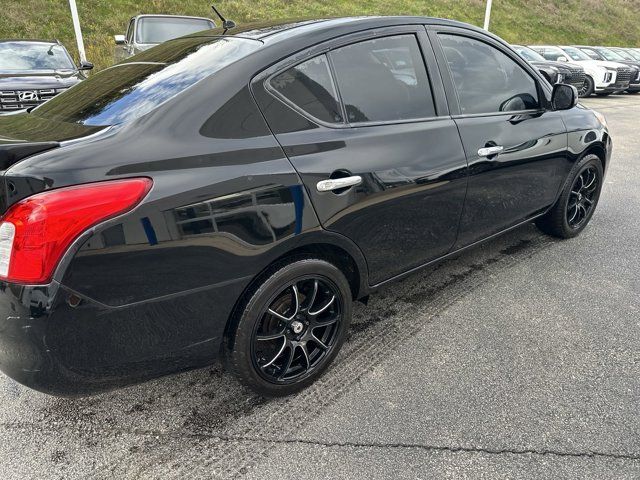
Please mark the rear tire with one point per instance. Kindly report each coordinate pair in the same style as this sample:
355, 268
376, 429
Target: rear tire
290, 327
578, 201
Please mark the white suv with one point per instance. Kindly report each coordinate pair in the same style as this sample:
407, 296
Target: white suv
601, 78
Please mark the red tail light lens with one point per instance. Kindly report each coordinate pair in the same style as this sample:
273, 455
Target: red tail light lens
37, 231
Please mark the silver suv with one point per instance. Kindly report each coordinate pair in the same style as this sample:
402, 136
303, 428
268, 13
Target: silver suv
146, 31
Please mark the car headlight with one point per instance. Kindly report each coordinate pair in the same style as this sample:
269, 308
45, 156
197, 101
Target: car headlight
601, 118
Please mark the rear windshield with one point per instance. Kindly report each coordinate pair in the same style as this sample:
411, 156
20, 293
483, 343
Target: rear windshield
127, 91
161, 29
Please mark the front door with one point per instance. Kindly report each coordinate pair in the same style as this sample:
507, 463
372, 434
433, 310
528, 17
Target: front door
517, 150
370, 117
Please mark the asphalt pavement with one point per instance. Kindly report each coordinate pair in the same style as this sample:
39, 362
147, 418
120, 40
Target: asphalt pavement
518, 359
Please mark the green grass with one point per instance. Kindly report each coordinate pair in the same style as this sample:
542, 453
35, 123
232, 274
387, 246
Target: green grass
608, 22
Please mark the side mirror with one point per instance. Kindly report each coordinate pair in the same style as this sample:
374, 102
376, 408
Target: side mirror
84, 65
562, 58
564, 97
120, 40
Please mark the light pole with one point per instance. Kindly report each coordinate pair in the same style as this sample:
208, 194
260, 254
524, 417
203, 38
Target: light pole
77, 30
487, 15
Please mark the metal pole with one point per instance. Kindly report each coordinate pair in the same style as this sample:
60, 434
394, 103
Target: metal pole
487, 15
77, 30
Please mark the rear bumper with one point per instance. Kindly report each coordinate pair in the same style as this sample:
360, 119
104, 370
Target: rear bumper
51, 346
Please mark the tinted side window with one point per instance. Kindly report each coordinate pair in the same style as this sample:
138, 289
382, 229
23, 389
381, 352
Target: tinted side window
383, 80
310, 87
486, 79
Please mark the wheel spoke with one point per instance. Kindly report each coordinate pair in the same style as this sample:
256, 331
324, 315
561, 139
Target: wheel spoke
574, 215
267, 338
313, 295
297, 299
279, 315
589, 201
303, 347
318, 312
289, 361
284, 344
591, 183
320, 343
575, 193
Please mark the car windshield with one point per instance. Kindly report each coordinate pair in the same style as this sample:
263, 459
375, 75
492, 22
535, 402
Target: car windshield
129, 90
161, 29
29, 56
529, 54
575, 54
610, 55
624, 54
634, 54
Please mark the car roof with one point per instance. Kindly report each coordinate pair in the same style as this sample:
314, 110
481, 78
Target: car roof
28, 40
272, 31
160, 15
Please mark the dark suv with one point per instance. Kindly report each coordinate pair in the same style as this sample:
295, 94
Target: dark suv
570, 74
606, 54
230, 194
34, 71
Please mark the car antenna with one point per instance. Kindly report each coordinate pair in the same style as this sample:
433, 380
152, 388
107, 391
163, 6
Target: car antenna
226, 24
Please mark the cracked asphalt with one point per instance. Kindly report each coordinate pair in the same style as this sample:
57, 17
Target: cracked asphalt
519, 359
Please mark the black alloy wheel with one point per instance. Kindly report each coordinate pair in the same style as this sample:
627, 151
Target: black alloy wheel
578, 200
582, 197
292, 327
297, 330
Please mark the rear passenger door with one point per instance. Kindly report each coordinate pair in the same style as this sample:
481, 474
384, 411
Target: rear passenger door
366, 109
516, 148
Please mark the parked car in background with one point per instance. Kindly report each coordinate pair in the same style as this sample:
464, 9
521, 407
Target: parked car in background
232, 194
568, 73
602, 77
627, 53
146, 31
34, 71
606, 54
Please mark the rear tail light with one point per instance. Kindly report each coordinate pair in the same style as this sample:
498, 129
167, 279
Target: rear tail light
37, 231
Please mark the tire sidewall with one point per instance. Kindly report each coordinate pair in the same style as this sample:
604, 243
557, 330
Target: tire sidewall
239, 353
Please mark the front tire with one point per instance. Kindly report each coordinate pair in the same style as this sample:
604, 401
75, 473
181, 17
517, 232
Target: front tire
588, 87
290, 327
578, 201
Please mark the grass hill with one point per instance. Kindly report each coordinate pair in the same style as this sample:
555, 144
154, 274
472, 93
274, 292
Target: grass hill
605, 22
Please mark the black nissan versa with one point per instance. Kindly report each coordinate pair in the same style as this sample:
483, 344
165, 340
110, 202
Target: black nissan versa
231, 194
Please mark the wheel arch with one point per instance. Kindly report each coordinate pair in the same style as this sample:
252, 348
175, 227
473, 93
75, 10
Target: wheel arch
334, 248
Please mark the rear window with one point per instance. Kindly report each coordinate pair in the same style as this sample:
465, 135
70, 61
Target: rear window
130, 90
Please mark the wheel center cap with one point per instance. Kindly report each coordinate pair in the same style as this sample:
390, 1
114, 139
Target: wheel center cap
297, 327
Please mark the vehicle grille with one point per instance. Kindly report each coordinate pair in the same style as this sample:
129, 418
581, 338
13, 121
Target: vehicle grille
624, 76
574, 77
21, 99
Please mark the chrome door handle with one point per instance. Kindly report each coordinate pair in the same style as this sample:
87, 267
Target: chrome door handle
490, 151
338, 183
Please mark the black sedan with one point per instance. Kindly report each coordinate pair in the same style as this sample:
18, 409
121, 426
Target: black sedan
34, 71
571, 74
231, 194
